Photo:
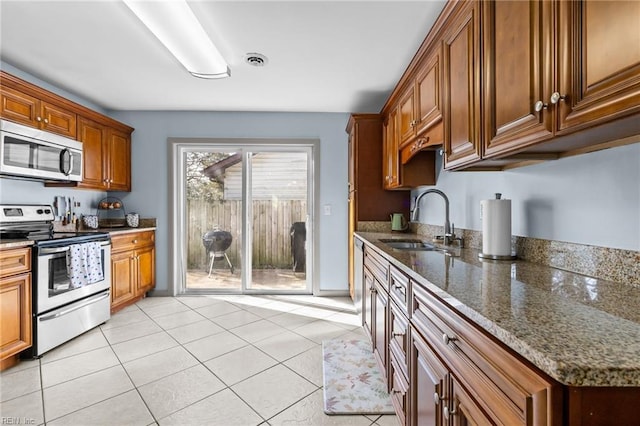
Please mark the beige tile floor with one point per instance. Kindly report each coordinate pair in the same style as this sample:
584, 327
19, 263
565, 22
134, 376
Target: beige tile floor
199, 360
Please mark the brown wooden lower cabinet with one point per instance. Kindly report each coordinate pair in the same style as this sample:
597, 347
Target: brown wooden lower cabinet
132, 267
444, 370
15, 304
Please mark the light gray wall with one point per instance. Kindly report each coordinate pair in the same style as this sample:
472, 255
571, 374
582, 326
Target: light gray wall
589, 199
150, 194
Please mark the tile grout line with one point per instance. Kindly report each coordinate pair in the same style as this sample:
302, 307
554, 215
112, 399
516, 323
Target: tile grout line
241, 307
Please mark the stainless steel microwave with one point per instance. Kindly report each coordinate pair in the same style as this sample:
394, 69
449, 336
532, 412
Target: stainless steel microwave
31, 153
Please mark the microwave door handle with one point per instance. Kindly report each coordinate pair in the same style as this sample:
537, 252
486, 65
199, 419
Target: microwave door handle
62, 155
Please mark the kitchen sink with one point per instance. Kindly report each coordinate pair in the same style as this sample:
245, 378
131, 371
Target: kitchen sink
409, 244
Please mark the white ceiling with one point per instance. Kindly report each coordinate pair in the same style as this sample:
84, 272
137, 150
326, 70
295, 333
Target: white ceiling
324, 56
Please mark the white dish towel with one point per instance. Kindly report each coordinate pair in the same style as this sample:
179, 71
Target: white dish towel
84, 263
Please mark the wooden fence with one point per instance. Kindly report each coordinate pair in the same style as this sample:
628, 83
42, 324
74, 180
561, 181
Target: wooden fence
272, 220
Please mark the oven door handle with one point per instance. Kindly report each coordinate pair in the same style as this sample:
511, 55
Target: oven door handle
52, 250
45, 251
87, 302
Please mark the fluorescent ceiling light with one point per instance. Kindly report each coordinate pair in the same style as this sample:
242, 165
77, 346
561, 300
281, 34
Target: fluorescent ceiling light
175, 25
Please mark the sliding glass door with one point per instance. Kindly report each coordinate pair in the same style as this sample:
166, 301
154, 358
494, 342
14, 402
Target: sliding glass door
278, 208
245, 219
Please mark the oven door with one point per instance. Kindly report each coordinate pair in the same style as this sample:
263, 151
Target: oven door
53, 286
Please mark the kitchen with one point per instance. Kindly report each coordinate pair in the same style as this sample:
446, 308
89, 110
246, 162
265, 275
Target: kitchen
589, 199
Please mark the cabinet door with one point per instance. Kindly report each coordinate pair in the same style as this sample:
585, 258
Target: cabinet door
599, 61
461, 49
15, 314
518, 68
58, 120
429, 386
406, 116
380, 340
19, 107
119, 159
428, 92
368, 295
92, 135
463, 409
146, 269
123, 278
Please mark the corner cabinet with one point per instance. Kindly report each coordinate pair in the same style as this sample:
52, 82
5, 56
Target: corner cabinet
106, 143
132, 267
15, 299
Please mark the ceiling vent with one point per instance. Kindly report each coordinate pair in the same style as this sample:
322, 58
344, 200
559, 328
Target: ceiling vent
256, 59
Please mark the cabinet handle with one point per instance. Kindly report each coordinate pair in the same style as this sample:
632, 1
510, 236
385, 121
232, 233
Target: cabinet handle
446, 339
448, 413
135, 241
556, 97
398, 334
539, 106
437, 398
399, 392
38, 119
46, 121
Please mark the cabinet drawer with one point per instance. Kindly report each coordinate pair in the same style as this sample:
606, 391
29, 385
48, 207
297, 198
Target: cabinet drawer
399, 337
15, 261
510, 391
378, 266
132, 241
399, 289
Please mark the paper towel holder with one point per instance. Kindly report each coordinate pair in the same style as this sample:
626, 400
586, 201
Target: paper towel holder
484, 256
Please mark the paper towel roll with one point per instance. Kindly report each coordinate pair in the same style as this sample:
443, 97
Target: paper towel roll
496, 227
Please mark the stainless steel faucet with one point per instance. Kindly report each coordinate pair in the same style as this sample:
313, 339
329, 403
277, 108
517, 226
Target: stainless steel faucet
448, 235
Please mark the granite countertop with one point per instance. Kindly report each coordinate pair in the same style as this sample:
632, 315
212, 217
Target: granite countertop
580, 330
22, 242
125, 229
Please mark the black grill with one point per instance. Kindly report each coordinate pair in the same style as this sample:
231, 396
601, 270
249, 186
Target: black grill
216, 242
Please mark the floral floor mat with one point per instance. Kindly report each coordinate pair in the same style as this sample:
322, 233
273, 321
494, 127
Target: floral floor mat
352, 382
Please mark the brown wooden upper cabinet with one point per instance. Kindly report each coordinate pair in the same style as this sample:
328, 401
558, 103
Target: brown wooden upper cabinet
420, 106
461, 55
518, 81
402, 171
106, 143
552, 68
26, 109
107, 157
598, 62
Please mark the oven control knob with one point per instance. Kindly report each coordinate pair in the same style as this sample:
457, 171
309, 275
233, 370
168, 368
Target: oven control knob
47, 211
39, 211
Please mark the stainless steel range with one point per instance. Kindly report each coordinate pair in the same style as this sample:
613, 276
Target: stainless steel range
71, 275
